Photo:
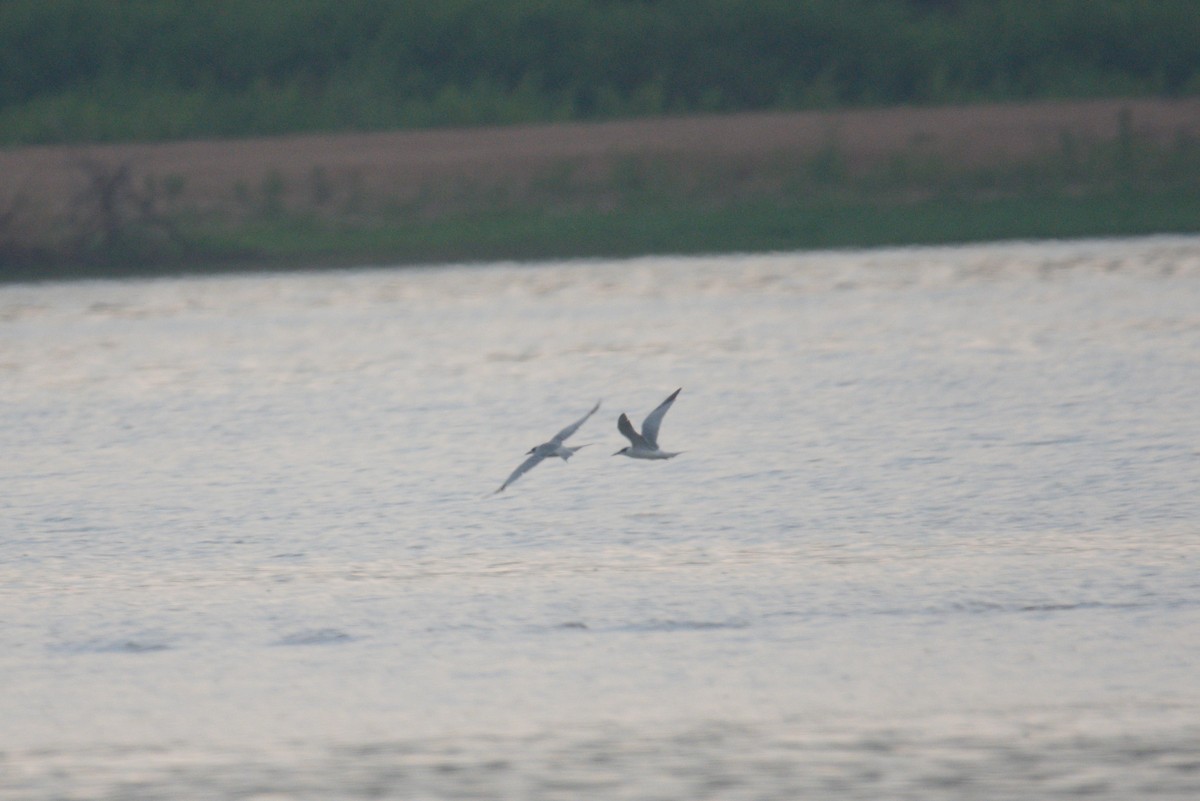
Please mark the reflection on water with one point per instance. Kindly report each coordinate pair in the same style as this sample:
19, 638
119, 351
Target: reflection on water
933, 534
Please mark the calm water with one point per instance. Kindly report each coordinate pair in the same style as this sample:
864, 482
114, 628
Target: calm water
935, 533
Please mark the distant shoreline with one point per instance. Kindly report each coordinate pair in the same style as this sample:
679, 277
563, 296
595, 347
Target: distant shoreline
681, 184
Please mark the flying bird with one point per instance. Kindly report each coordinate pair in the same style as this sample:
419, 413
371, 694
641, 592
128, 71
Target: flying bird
554, 447
645, 444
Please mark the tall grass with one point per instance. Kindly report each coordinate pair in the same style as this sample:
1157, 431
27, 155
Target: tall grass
79, 70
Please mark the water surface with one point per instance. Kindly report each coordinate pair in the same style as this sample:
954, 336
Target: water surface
934, 534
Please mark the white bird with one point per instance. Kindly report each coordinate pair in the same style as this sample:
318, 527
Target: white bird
554, 447
645, 444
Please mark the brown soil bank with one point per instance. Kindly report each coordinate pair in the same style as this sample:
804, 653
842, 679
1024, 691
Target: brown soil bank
80, 195
394, 164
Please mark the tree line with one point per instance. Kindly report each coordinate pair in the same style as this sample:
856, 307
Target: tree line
80, 70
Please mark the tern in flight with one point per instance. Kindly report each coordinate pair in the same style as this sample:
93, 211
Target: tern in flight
645, 444
554, 447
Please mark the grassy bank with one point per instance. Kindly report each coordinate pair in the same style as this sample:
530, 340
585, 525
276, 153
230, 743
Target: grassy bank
758, 225
221, 208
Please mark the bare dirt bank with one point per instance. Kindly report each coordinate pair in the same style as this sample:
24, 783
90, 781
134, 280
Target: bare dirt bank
208, 174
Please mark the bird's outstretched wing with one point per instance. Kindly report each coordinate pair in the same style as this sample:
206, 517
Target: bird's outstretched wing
521, 470
571, 429
626, 428
654, 420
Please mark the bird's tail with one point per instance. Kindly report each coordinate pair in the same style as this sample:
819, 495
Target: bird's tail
571, 451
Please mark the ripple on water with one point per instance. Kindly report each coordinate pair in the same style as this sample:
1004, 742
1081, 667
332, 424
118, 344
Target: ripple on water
325, 636
118, 645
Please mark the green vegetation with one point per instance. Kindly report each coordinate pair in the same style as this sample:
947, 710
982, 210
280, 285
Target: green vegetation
128, 224
680, 229
80, 70
757, 226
